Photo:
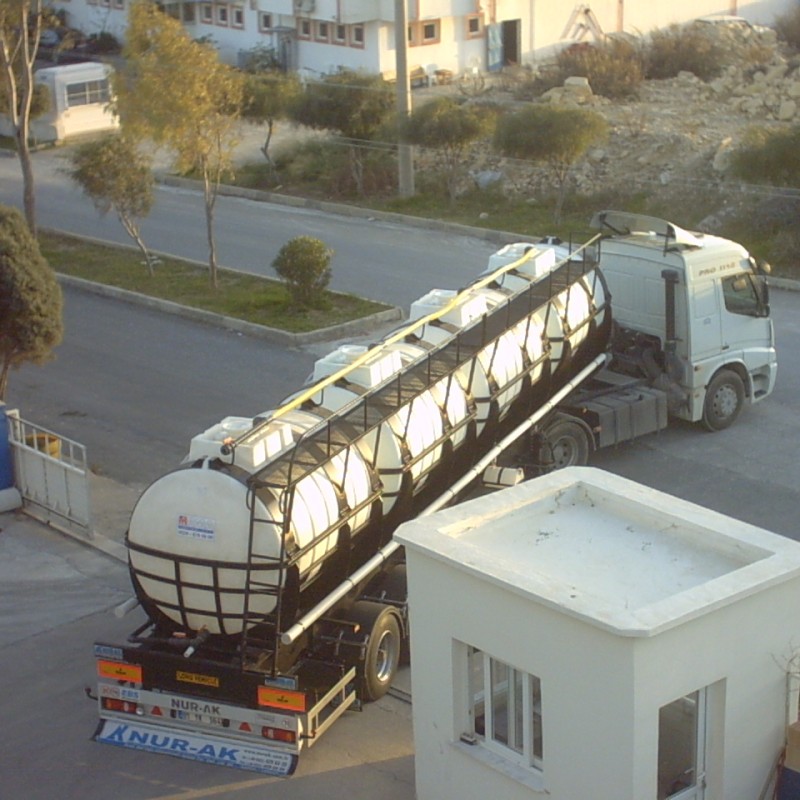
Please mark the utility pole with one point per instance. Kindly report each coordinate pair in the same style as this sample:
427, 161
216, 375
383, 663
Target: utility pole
405, 153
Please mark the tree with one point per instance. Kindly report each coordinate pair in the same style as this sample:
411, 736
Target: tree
20, 98
449, 127
114, 173
268, 96
558, 137
30, 298
304, 265
177, 92
354, 104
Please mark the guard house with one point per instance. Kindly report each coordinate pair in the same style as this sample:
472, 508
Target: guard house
582, 636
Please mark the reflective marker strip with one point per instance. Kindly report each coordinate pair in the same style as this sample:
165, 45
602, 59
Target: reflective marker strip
281, 698
119, 672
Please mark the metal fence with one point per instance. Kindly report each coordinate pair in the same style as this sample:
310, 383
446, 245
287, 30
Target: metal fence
52, 475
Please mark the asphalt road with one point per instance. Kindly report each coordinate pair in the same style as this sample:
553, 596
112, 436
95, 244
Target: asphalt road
373, 259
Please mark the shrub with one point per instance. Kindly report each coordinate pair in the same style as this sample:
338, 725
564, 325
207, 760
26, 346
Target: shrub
680, 48
614, 68
769, 155
103, 42
787, 26
304, 265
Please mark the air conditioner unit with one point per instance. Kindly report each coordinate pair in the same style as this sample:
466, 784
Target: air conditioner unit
304, 6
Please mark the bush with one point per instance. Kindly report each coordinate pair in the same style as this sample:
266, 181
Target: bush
787, 26
769, 155
304, 265
614, 69
103, 42
680, 48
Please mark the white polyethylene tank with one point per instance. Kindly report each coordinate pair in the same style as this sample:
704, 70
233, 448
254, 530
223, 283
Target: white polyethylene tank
498, 364
414, 429
198, 518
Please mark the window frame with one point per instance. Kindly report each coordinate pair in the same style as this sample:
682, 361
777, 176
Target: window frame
237, 17
302, 23
222, 16
206, 13
94, 92
521, 689
188, 13
335, 38
353, 31
262, 17
416, 32
481, 32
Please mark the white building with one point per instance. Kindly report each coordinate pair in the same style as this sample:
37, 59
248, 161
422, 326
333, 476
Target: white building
581, 636
457, 35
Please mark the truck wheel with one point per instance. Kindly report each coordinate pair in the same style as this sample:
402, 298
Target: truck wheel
568, 444
379, 667
724, 400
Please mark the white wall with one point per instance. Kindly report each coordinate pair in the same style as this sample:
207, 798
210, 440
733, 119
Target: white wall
609, 655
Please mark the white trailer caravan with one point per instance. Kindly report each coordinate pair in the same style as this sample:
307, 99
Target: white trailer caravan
79, 101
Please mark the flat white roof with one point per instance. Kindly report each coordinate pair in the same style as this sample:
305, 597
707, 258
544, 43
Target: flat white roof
610, 551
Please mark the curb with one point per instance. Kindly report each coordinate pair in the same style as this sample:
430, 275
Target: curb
273, 335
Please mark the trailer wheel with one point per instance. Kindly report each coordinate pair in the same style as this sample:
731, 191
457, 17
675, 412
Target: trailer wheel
568, 444
382, 657
724, 400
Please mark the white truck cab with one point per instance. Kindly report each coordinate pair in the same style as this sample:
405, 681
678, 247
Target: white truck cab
694, 308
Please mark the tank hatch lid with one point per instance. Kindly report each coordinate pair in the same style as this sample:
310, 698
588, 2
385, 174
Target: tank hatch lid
622, 223
277, 436
373, 371
465, 309
540, 261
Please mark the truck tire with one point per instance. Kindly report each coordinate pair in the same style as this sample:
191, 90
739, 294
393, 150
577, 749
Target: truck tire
568, 443
724, 400
379, 666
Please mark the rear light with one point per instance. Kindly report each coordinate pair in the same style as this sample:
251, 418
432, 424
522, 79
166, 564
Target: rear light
125, 706
279, 735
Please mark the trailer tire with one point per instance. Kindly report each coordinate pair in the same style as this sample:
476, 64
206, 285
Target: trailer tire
724, 400
379, 666
568, 443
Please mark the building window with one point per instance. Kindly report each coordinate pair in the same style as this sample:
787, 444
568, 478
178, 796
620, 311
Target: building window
681, 746
304, 29
206, 13
222, 15
87, 92
357, 36
187, 12
474, 26
264, 21
505, 709
118, 3
322, 31
237, 17
340, 34
427, 32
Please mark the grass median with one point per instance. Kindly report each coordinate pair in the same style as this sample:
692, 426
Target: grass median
241, 295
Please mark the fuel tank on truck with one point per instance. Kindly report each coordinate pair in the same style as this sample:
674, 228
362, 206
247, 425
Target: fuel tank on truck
290, 501
188, 537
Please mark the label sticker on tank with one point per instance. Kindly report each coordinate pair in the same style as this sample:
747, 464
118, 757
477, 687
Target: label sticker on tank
197, 527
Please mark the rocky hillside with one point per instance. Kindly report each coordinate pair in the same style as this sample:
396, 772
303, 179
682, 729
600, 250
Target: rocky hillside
680, 130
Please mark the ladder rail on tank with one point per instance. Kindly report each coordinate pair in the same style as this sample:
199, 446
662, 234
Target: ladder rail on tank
367, 413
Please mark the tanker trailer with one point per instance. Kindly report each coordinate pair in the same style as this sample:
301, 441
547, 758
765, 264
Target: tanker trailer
274, 594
